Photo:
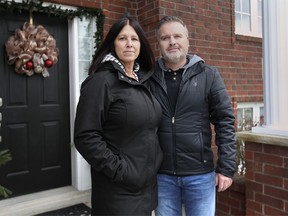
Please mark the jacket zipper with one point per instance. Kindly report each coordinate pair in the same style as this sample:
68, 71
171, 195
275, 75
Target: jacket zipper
174, 143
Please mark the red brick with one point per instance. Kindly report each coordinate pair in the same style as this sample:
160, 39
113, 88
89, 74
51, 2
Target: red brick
249, 155
276, 192
254, 207
269, 201
286, 184
276, 171
256, 147
270, 159
254, 186
249, 174
268, 179
268, 210
235, 211
276, 150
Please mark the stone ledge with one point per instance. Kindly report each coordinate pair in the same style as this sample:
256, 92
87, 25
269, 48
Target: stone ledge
263, 138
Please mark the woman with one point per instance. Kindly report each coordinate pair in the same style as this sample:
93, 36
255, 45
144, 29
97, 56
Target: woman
116, 124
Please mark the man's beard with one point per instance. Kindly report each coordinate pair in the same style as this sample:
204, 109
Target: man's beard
172, 57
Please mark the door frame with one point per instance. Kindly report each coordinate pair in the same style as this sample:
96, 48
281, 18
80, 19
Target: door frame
80, 169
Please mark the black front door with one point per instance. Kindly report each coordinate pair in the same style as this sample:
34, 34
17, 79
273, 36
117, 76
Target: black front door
35, 123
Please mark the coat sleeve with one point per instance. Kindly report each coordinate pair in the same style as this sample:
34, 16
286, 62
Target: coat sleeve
91, 114
223, 119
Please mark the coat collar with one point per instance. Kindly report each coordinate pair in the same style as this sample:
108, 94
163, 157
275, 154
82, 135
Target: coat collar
190, 68
113, 66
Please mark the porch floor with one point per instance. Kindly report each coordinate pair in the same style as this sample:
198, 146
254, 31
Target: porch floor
36, 203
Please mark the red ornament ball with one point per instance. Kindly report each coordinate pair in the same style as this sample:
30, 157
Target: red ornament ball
29, 65
48, 63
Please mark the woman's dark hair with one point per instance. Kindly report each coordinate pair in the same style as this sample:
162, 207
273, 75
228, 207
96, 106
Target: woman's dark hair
146, 56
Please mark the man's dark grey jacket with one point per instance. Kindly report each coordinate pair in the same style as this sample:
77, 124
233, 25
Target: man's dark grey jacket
185, 136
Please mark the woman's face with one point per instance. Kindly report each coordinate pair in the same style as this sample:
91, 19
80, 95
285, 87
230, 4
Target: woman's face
127, 45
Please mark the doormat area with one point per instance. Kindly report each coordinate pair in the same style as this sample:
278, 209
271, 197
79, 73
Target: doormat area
78, 209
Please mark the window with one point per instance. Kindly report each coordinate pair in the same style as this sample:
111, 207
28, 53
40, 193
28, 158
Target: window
86, 45
248, 17
249, 115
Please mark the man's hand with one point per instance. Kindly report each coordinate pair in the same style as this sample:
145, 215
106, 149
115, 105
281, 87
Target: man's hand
223, 182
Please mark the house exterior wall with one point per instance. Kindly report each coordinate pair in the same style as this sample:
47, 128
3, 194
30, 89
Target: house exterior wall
211, 30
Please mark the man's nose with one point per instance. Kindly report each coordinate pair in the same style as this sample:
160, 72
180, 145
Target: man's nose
172, 41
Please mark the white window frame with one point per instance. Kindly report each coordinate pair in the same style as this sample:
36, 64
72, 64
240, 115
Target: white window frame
254, 16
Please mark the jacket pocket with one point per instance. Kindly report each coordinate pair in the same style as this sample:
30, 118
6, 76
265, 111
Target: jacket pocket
135, 175
189, 151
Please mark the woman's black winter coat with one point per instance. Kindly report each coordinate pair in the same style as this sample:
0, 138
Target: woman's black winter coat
185, 136
116, 132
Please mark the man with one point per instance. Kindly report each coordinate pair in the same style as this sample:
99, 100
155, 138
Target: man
193, 96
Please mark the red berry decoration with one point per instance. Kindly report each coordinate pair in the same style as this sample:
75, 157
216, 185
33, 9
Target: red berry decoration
29, 65
48, 63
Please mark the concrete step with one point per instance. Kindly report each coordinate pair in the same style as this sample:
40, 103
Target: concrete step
36, 203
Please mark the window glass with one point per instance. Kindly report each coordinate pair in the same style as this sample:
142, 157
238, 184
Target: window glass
259, 5
245, 119
86, 45
238, 19
237, 5
260, 25
83, 70
246, 24
249, 114
246, 6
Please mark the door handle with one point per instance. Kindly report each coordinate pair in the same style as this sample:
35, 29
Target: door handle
1, 102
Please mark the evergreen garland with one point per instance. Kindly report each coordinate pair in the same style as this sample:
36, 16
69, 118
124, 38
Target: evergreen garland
37, 6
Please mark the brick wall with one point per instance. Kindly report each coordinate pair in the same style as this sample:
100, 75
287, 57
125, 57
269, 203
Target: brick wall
267, 179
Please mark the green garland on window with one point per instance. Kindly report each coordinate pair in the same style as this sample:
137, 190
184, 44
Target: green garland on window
37, 6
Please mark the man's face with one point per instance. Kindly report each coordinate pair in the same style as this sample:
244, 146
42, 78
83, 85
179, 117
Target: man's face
173, 42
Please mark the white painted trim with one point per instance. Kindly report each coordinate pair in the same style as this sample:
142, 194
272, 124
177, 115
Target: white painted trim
80, 168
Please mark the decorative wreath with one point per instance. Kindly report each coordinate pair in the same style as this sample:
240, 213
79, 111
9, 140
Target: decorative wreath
32, 49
